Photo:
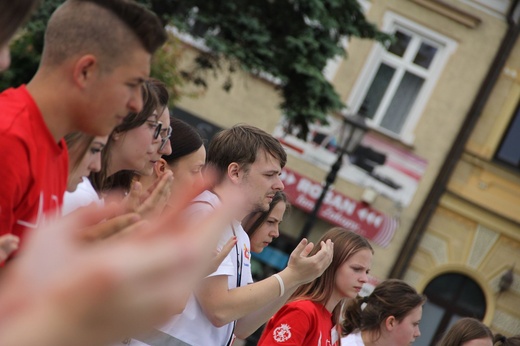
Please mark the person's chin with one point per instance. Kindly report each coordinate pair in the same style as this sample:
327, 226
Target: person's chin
265, 207
147, 169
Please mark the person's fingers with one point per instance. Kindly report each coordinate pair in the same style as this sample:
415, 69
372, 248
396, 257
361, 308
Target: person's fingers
219, 257
307, 250
133, 199
324, 255
226, 249
135, 229
9, 238
300, 247
158, 197
109, 227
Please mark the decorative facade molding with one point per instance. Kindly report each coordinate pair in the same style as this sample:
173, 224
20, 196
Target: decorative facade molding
450, 11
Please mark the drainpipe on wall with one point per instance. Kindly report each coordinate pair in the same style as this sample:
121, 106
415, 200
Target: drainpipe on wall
439, 186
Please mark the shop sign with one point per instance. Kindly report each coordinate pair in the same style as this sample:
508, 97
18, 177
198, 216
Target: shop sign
339, 209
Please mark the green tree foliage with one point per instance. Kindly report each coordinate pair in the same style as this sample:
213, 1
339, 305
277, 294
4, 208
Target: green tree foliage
26, 50
27, 47
291, 40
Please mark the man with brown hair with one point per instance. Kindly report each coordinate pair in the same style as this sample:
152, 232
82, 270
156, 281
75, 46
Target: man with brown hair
96, 55
248, 162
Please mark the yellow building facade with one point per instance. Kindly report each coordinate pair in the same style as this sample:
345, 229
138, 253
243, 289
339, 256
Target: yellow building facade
475, 229
416, 97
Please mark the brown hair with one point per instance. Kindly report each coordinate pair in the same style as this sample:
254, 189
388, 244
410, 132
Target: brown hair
254, 220
501, 340
152, 101
390, 298
346, 244
77, 145
105, 28
464, 330
14, 14
241, 143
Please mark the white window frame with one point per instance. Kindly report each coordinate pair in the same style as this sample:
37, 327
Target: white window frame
445, 45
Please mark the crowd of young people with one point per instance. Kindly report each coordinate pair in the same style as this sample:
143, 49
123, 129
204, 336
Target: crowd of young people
170, 262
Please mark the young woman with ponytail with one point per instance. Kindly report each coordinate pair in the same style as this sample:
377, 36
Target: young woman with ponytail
390, 315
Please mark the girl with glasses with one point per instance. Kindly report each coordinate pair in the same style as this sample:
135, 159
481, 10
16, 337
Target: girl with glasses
186, 160
132, 147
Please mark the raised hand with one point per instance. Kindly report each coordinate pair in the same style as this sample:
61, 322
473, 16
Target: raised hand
152, 202
305, 268
76, 292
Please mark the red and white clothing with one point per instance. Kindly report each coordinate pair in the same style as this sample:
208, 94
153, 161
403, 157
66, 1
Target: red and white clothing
297, 323
34, 166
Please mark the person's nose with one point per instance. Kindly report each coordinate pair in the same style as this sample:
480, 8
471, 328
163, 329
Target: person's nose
95, 166
364, 278
135, 104
167, 149
275, 233
279, 185
200, 178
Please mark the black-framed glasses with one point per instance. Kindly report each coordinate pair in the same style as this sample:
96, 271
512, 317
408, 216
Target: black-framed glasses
164, 138
157, 129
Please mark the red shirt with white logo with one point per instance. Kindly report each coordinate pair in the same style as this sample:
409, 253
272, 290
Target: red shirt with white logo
299, 323
34, 166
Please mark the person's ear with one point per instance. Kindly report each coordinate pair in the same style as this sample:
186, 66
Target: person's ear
160, 167
115, 136
234, 172
85, 69
390, 323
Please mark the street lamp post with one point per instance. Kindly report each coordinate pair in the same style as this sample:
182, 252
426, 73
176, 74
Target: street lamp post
354, 128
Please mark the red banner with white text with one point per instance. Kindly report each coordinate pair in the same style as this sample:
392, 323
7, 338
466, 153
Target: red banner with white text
339, 209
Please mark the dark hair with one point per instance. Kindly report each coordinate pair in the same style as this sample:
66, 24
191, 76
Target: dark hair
346, 244
241, 143
254, 220
14, 14
501, 340
106, 28
390, 298
465, 329
152, 90
77, 145
184, 140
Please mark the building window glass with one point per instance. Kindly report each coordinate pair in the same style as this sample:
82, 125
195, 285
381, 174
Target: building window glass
451, 296
508, 152
396, 81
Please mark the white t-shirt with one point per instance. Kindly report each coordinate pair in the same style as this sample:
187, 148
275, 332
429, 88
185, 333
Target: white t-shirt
352, 339
192, 326
84, 195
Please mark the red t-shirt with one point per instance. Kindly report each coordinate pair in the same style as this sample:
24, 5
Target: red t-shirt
34, 171
299, 323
